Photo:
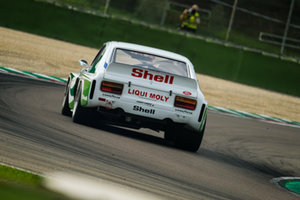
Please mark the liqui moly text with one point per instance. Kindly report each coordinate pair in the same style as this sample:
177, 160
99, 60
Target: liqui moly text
149, 95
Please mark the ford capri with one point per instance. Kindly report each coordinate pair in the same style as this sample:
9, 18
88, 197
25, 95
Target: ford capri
137, 86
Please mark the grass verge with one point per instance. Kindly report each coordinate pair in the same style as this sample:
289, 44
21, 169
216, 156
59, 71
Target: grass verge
16, 184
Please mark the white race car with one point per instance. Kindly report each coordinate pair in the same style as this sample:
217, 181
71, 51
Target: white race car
137, 86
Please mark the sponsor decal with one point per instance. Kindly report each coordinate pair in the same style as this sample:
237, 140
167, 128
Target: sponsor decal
187, 93
138, 92
183, 111
105, 65
101, 99
144, 110
145, 74
149, 95
146, 103
108, 105
111, 96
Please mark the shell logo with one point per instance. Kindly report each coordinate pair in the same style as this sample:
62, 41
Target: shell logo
187, 93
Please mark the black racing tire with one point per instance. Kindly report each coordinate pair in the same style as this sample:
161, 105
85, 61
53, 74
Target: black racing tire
79, 113
65, 109
183, 138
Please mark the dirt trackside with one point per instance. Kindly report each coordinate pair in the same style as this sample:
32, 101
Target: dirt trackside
33, 53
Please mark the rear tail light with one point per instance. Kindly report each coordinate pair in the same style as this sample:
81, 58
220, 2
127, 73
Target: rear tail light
186, 103
111, 87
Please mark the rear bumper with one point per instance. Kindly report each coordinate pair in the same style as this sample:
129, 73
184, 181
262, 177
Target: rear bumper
142, 112
120, 117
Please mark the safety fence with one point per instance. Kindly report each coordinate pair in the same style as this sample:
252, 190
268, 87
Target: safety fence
277, 19
237, 113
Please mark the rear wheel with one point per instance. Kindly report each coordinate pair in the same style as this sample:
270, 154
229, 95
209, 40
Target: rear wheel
184, 139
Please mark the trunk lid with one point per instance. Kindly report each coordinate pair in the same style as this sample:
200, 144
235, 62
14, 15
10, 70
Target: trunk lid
150, 84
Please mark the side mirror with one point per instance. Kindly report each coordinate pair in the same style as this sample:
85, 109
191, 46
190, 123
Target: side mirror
83, 63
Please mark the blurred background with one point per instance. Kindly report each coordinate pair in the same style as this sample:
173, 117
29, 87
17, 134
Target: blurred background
269, 25
252, 42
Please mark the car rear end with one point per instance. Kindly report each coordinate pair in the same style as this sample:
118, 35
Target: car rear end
137, 86
149, 98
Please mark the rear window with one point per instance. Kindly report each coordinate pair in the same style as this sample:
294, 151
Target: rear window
150, 61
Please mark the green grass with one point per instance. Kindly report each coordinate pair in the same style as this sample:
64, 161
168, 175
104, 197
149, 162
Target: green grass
13, 175
16, 184
211, 59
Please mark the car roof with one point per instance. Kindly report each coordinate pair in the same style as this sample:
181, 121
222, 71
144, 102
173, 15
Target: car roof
147, 49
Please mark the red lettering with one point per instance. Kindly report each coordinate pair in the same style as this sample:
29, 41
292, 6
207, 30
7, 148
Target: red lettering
158, 78
171, 80
137, 92
143, 94
146, 74
140, 73
137, 72
167, 79
152, 96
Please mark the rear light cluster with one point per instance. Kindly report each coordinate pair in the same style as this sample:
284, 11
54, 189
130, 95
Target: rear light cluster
111, 87
186, 103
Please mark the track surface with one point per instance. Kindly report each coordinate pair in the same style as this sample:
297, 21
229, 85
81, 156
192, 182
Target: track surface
237, 159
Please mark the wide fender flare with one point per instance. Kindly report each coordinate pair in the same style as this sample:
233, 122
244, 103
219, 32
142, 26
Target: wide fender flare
85, 91
204, 119
72, 86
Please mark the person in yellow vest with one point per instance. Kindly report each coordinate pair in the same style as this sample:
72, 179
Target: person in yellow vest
190, 19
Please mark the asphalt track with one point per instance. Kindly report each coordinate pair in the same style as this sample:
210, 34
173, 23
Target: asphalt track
237, 159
